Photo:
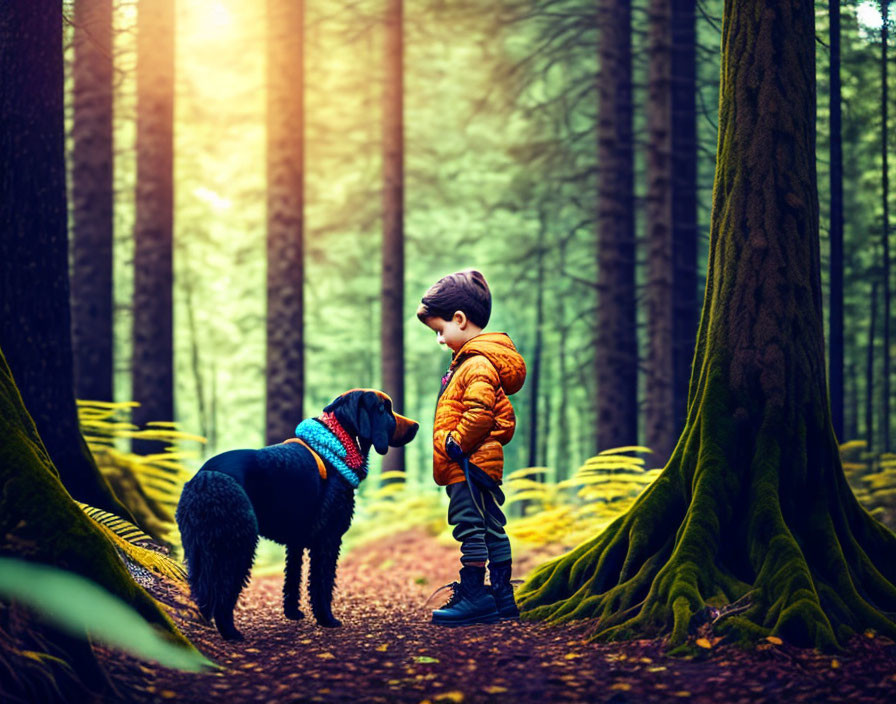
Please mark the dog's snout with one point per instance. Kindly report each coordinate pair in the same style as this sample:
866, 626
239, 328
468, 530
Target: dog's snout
405, 430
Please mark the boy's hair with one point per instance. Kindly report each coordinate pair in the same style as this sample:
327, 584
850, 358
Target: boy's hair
465, 291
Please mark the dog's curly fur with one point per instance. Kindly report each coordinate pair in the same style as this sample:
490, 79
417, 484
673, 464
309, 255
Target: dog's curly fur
277, 492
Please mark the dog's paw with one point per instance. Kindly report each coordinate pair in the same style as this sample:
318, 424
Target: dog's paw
293, 614
331, 622
233, 635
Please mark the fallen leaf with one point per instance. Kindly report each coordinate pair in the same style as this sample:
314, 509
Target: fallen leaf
495, 689
774, 640
425, 658
622, 686
382, 648
572, 656
658, 668
835, 663
326, 656
454, 696
682, 693
704, 643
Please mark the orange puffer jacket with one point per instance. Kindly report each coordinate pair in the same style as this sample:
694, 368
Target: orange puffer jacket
474, 406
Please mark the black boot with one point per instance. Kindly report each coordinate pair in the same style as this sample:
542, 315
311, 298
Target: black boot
470, 603
502, 590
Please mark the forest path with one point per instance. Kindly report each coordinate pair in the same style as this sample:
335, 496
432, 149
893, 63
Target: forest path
387, 651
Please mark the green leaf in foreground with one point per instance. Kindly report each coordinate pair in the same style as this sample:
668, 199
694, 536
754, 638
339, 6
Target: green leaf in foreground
77, 605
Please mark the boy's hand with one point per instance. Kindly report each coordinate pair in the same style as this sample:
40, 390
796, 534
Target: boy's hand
453, 449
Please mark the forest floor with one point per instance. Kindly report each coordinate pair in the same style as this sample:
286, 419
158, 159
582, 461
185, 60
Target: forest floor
387, 651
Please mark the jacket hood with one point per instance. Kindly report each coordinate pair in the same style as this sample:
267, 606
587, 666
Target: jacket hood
498, 349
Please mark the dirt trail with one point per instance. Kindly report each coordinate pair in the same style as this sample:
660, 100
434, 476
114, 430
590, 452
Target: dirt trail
387, 651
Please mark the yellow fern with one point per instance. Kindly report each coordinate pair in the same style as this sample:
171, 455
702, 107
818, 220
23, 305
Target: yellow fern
126, 537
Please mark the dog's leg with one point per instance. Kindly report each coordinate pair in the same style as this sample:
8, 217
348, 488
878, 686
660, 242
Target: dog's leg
291, 582
324, 554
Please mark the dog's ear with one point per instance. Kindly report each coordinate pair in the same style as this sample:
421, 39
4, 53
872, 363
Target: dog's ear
346, 409
374, 421
334, 404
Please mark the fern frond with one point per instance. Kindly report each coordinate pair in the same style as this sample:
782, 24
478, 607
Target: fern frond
126, 537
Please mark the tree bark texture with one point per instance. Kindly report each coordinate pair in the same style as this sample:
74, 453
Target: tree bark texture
616, 342
685, 306
659, 421
285, 241
92, 193
152, 367
392, 298
753, 503
534, 375
885, 235
835, 277
869, 370
35, 319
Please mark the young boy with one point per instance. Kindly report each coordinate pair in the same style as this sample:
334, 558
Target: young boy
474, 419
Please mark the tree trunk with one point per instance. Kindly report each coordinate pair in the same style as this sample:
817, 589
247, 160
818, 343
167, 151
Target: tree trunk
286, 183
35, 319
835, 326
869, 371
40, 522
753, 503
852, 427
885, 196
91, 188
616, 346
392, 308
660, 430
564, 439
685, 307
152, 368
534, 375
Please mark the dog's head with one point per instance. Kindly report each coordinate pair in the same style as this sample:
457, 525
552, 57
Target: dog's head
368, 414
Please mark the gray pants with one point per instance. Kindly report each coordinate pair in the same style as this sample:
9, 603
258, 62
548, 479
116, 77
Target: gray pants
479, 539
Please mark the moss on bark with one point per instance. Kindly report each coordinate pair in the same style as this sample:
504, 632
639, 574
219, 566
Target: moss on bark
39, 520
753, 502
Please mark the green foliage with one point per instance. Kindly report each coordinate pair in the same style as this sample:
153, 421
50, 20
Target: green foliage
572, 510
82, 608
872, 477
562, 512
149, 485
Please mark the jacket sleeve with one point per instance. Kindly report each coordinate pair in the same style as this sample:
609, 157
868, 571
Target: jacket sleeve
505, 420
478, 416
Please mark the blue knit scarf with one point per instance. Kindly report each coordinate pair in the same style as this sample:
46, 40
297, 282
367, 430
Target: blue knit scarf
328, 446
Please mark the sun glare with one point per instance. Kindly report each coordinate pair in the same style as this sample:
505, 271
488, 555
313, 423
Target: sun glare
218, 16
868, 15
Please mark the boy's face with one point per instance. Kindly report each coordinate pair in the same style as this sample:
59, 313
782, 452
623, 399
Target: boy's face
450, 332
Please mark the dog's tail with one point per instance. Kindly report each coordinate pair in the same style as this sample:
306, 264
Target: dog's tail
219, 532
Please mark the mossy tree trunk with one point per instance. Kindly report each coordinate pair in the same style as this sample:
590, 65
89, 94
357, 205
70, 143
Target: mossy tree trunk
39, 521
753, 501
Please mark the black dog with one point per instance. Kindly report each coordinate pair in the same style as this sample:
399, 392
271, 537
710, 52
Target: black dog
279, 492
